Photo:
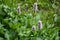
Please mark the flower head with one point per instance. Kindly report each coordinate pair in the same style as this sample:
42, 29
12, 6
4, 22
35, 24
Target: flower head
35, 7
18, 9
39, 24
26, 7
33, 28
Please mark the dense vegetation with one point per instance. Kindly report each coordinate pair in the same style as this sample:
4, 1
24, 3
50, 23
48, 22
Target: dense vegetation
18, 24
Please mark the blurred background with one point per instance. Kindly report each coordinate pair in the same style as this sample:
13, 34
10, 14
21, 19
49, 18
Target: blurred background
19, 19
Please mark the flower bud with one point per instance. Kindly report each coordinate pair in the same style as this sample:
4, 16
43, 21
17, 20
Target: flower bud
39, 24
35, 7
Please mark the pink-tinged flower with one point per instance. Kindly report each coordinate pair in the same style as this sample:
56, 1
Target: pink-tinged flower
40, 24
33, 28
35, 7
26, 7
18, 9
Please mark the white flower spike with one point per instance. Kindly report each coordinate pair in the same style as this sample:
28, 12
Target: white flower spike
33, 28
35, 7
40, 24
19, 9
26, 7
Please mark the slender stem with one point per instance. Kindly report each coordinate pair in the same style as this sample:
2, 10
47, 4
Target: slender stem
59, 34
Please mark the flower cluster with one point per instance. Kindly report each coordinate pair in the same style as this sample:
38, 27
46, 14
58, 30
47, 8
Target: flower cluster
35, 8
39, 26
